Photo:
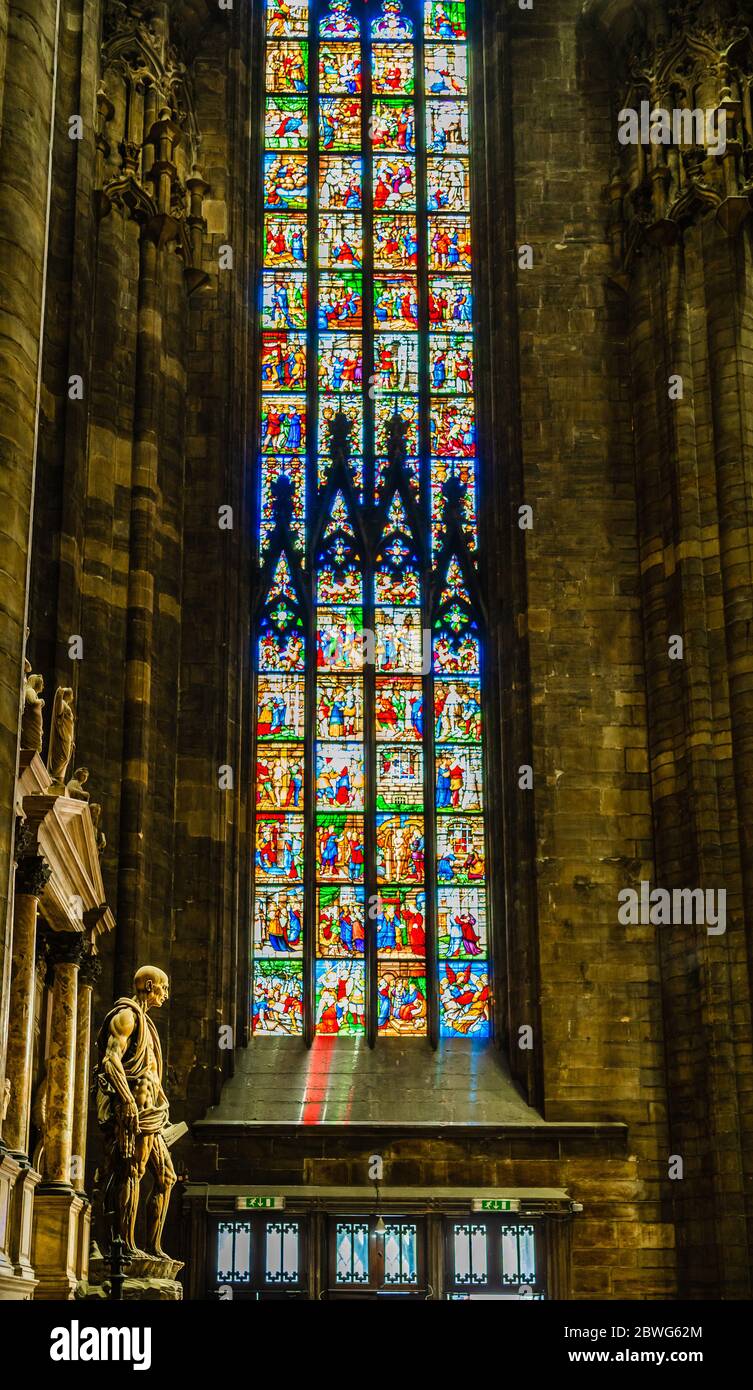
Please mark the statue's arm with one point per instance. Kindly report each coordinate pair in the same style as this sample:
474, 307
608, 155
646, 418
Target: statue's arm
121, 1029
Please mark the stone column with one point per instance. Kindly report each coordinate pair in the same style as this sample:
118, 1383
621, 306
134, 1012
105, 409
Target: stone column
32, 873
89, 971
65, 955
57, 1208
28, 43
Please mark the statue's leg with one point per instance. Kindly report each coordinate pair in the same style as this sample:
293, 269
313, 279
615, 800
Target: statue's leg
127, 1191
161, 1165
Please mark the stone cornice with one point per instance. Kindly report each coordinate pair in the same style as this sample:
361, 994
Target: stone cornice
61, 831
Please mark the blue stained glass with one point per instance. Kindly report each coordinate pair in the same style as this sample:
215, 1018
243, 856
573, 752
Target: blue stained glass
391, 26
464, 1000
339, 23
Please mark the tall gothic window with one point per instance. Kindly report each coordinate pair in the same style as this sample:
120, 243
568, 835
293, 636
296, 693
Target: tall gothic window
369, 882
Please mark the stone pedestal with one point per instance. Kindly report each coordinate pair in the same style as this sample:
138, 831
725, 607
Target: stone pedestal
9, 1173
56, 1243
148, 1277
21, 1228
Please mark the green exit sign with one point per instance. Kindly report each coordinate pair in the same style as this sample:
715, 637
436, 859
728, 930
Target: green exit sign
259, 1203
495, 1204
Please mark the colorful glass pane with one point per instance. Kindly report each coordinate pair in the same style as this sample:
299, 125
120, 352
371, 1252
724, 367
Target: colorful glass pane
340, 182
287, 19
283, 425
399, 710
396, 361
460, 850
339, 709
450, 302
287, 67
279, 848
448, 184
399, 640
391, 25
401, 848
393, 125
395, 243
340, 847
279, 712
285, 240
340, 362
339, 23
340, 922
284, 300
457, 710
339, 776
278, 922
451, 363
453, 428
401, 1000
400, 776
340, 68
340, 997
279, 777
340, 241
450, 243
277, 997
446, 70
285, 181
339, 123
283, 362
392, 69
395, 183
286, 123
464, 1000
444, 19
396, 302
461, 923
400, 923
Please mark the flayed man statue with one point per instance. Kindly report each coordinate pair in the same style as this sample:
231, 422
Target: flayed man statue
132, 1111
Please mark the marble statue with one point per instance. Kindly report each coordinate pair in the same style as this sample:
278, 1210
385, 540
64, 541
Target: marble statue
31, 719
132, 1111
61, 736
76, 785
96, 815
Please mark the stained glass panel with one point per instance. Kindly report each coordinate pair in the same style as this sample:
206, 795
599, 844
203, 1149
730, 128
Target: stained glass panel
286, 240
340, 997
340, 68
393, 70
287, 67
395, 243
393, 423
278, 997
340, 182
286, 123
341, 922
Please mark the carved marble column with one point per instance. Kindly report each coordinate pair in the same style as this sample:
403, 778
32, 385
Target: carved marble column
66, 950
32, 874
58, 1209
89, 972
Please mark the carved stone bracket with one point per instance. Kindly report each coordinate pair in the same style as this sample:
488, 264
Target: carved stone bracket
680, 58
147, 137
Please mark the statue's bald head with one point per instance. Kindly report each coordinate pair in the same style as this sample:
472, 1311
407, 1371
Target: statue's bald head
151, 986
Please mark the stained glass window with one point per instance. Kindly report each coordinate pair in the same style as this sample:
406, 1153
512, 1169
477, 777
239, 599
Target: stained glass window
370, 900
